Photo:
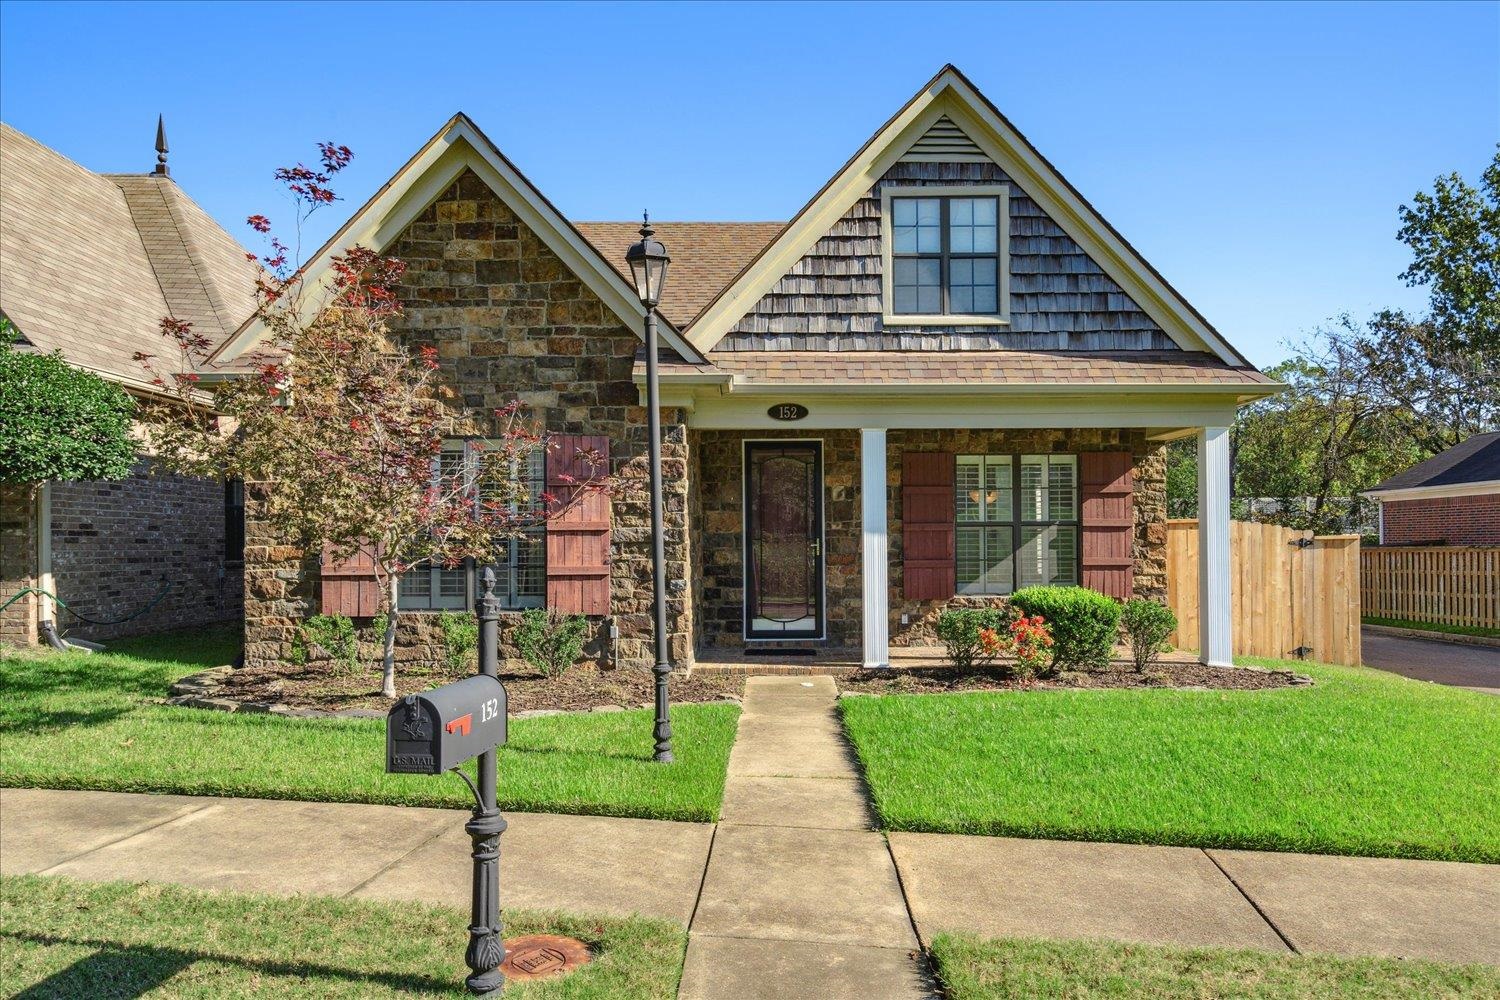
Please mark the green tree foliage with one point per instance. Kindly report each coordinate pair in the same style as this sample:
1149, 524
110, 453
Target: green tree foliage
58, 422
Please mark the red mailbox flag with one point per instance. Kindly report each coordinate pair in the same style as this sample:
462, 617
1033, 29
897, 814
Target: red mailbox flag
461, 725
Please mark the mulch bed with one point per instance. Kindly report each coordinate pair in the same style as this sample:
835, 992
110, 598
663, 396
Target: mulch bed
937, 680
325, 687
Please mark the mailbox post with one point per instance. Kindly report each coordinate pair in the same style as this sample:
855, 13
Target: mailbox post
437, 731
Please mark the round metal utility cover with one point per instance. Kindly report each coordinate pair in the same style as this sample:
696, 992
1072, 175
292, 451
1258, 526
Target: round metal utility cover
541, 956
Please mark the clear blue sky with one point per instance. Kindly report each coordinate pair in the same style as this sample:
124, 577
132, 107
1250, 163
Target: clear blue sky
1256, 154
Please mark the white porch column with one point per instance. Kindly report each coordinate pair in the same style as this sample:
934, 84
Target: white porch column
1215, 607
875, 553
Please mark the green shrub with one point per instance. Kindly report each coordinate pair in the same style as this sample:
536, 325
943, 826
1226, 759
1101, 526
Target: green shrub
58, 422
551, 641
1147, 625
460, 638
333, 634
1084, 623
960, 628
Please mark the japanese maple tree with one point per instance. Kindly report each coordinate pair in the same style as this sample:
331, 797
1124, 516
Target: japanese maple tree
340, 427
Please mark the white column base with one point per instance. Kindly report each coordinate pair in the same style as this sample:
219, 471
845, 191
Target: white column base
1215, 601
875, 550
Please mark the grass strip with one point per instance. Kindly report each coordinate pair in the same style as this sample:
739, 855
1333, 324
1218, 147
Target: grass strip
1362, 763
1483, 633
974, 968
64, 938
71, 720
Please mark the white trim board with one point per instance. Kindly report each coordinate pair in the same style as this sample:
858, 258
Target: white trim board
951, 94
1433, 492
460, 145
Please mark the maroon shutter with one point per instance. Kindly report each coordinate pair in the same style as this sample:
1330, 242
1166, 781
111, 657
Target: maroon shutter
578, 536
350, 586
1108, 522
927, 556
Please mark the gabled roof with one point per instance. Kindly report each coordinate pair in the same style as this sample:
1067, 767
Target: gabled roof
458, 146
950, 96
91, 263
1475, 461
706, 256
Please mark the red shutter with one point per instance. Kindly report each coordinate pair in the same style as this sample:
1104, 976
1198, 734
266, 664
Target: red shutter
927, 556
1108, 522
350, 586
578, 536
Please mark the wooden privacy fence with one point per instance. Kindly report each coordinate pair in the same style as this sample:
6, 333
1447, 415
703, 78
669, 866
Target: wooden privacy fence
1295, 595
1432, 583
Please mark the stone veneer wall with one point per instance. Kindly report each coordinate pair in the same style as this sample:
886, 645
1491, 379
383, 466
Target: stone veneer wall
717, 517
1150, 478
510, 321
114, 544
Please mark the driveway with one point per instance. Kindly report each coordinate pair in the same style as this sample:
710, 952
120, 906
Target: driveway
1441, 662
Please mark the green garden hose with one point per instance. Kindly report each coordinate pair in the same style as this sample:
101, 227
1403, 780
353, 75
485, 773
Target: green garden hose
166, 587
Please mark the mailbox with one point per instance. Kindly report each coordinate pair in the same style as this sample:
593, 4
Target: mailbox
437, 730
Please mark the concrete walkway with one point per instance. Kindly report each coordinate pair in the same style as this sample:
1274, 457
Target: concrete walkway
801, 896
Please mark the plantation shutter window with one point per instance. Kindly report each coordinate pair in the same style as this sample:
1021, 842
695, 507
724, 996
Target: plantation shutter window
1107, 485
578, 535
927, 525
1048, 551
434, 587
348, 585
984, 505
1016, 522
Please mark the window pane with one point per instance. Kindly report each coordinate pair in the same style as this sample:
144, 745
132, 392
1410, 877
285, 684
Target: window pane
416, 587
929, 211
985, 300
961, 299
1065, 555
531, 569
1033, 487
905, 238
453, 583
962, 271
904, 211
1062, 490
969, 548
983, 270
1049, 555
929, 300
961, 211
904, 299
997, 486
967, 504
999, 564
986, 211
930, 272
961, 239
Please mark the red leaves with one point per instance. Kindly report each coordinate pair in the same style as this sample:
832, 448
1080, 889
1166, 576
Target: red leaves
429, 356
259, 223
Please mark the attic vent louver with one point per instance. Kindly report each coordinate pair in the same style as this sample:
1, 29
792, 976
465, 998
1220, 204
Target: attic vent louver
945, 142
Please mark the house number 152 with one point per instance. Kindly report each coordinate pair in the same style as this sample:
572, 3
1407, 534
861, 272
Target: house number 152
787, 411
489, 710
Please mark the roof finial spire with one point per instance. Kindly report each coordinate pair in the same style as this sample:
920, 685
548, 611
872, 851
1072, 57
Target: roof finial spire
646, 231
161, 147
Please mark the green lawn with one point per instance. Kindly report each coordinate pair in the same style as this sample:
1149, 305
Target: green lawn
1487, 633
79, 721
1363, 762
977, 969
61, 938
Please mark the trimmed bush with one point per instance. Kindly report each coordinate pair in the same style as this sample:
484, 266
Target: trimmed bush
1084, 622
960, 631
332, 635
551, 641
1147, 625
460, 638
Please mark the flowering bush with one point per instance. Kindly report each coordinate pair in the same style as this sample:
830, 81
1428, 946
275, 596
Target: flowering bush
962, 631
1031, 644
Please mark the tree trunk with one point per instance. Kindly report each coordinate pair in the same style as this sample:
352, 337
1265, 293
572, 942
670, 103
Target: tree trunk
388, 663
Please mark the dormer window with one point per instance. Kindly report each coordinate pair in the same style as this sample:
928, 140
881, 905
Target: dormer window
944, 251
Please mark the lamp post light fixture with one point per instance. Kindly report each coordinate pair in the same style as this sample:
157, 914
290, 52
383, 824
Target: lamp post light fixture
648, 262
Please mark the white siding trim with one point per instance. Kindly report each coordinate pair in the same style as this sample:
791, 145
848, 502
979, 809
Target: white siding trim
1216, 608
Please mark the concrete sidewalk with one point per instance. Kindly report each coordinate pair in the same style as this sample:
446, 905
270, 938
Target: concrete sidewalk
793, 894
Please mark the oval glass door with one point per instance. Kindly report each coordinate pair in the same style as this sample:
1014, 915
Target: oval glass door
783, 540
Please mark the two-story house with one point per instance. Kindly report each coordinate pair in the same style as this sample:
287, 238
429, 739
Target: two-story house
946, 378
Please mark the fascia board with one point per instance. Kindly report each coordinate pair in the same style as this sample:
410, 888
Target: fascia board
1434, 492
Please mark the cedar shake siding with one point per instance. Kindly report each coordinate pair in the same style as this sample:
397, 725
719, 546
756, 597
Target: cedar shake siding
1464, 520
1060, 299
510, 321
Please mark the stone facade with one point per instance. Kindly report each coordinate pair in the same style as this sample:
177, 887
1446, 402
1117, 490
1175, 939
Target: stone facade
117, 546
717, 523
510, 321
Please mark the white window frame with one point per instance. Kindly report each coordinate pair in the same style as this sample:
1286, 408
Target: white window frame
507, 576
1001, 193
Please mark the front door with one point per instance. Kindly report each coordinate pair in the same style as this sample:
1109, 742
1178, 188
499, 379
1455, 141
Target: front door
783, 539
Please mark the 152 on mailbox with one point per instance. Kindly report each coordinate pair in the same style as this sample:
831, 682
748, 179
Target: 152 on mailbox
437, 730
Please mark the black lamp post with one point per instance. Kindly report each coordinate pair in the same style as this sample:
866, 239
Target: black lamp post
648, 262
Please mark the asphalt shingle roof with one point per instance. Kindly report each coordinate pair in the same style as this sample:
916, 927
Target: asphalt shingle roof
1476, 460
91, 263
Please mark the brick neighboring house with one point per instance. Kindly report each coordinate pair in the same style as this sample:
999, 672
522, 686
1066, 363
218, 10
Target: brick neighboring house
1453, 498
945, 378
89, 265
